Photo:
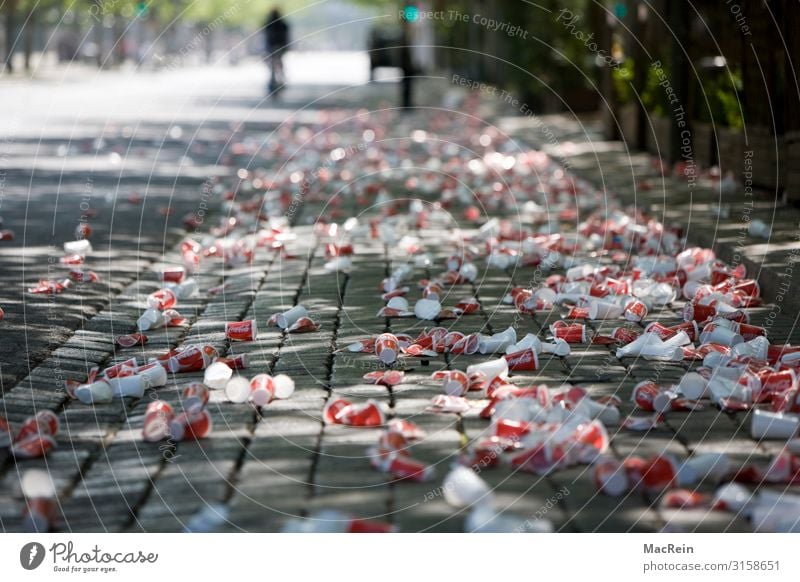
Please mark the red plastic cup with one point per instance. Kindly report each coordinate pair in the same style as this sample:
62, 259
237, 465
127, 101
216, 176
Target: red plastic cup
635, 311
572, 334
241, 331
659, 473
162, 299
195, 396
157, 421
387, 348
45, 422
262, 388
524, 360
191, 425
173, 274
192, 359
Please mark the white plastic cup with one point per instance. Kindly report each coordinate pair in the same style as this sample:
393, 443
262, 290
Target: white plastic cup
720, 388
497, 342
463, 488
734, 496
773, 425
128, 386
713, 333
287, 318
558, 347
713, 466
604, 310
492, 369
217, 375
693, 386
427, 309
99, 392
284, 386
238, 390
529, 341
399, 303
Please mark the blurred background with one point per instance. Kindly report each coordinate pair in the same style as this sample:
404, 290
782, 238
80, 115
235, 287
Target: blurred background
724, 60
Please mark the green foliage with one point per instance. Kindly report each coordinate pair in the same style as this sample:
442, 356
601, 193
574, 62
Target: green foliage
721, 89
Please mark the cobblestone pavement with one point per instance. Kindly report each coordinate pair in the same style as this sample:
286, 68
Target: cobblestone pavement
269, 466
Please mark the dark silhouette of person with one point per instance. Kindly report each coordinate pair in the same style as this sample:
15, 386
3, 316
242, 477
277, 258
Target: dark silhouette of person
407, 67
277, 41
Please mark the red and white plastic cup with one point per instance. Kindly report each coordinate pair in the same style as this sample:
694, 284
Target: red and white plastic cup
523, 360
572, 334
191, 425
238, 390
173, 274
454, 382
162, 299
241, 331
610, 477
192, 359
44, 422
774, 425
195, 396
262, 389
387, 348
157, 419
288, 318
635, 311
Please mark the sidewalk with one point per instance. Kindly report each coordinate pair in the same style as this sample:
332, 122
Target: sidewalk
267, 467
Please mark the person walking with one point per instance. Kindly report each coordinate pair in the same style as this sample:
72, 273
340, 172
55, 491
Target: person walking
277, 40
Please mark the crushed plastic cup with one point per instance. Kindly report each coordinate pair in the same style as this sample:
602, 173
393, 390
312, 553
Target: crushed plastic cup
497, 342
217, 375
558, 347
192, 358
733, 497
172, 274
398, 303
241, 331
99, 392
774, 425
635, 311
604, 310
162, 299
133, 386
704, 466
78, 247
288, 318
694, 386
718, 334
387, 348
463, 488
651, 398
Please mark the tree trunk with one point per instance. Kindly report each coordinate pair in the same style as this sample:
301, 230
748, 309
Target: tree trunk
28, 33
11, 10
